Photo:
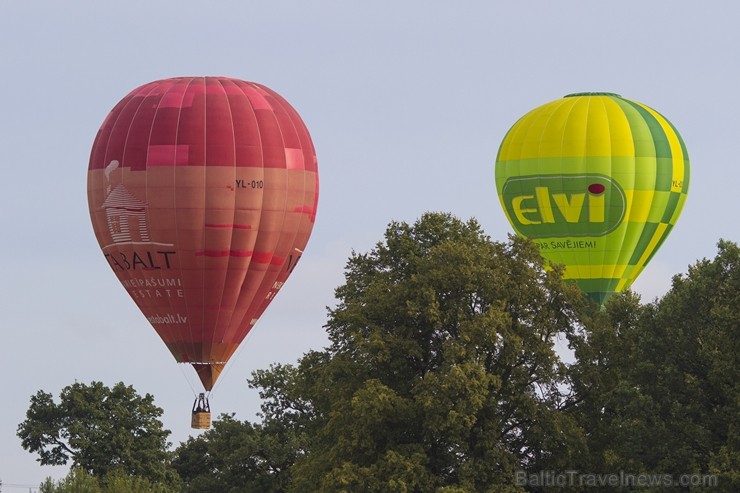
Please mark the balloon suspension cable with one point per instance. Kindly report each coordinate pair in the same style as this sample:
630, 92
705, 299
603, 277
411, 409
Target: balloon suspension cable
185, 370
201, 404
234, 357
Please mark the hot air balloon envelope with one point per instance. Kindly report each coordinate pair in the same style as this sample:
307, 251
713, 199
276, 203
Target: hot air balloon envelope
202, 193
598, 182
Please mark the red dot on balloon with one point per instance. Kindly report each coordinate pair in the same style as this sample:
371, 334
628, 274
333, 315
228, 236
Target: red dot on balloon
596, 188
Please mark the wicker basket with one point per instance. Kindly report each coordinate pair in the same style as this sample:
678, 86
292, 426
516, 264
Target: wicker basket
201, 420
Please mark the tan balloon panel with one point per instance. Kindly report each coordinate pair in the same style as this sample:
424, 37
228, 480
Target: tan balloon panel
202, 195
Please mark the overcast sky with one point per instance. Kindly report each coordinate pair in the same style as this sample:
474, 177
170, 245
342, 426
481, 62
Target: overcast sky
407, 103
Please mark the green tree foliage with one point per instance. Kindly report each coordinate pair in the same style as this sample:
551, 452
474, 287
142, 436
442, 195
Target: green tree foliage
100, 430
441, 374
657, 384
236, 457
79, 481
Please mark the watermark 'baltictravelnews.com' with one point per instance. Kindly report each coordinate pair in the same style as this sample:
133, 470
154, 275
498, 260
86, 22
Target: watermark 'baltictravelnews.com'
641, 480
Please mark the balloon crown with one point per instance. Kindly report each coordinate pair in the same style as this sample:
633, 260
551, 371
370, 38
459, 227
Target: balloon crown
575, 94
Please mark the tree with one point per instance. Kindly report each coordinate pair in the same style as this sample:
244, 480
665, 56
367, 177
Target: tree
79, 481
441, 374
100, 430
658, 384
236, 457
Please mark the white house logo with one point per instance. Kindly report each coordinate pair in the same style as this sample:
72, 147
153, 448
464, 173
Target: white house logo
123, 211
126, 215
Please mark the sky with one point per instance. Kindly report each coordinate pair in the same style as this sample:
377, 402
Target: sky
407, 103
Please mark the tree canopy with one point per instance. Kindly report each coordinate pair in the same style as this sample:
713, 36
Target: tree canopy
447, 372
442, 371
99, 430
657, 384
79, 481
441, 374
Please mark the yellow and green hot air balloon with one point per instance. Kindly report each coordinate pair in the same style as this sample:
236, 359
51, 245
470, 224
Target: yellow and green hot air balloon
598, 182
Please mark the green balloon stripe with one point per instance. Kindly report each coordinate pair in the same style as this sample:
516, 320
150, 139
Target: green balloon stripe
598, 290
659, 243
646, 236
670, 207
684, 151
681, 202
642, 134
664, 174
657, 135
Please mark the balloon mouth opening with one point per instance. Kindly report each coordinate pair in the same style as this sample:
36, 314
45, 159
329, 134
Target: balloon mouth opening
577, 94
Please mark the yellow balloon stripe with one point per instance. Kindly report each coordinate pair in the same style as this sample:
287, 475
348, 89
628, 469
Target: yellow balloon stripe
590, 271
623, 284
571, 127
619, 129
657, 237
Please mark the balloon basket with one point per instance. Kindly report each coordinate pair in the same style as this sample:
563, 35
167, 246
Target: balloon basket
201, 416
200, 420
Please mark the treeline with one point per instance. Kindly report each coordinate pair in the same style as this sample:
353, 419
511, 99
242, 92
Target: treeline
442, 375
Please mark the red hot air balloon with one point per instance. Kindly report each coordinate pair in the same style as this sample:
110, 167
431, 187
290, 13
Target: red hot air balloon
202, 193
